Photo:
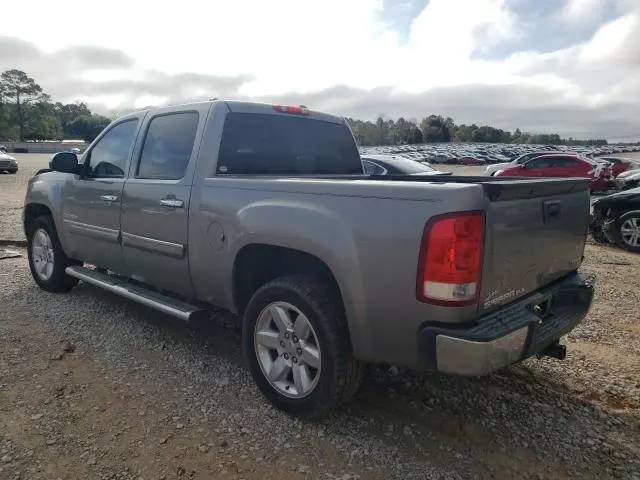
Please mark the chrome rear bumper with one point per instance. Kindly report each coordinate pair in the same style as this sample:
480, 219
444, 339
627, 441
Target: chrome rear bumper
510, 334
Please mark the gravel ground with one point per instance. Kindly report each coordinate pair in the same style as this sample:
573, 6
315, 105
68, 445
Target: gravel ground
94, 386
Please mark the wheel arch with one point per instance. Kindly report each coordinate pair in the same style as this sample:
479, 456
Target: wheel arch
33, 211
258, 263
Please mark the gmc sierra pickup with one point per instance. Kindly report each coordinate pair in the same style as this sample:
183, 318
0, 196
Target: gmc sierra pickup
265, 210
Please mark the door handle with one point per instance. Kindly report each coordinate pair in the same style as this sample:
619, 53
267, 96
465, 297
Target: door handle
109, 198
171, 203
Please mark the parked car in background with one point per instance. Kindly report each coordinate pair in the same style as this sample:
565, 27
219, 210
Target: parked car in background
564, 166
629, 179
491, 153
8, 163
620, 164
468, 160
616, 220
492, 169
396, 165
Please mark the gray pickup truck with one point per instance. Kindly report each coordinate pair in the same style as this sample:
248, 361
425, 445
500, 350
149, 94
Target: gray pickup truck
265, 210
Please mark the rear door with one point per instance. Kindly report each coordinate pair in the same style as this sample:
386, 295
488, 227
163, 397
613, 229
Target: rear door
155, 201
562, 167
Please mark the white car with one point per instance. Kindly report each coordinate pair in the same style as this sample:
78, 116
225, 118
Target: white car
8, 163
628, 179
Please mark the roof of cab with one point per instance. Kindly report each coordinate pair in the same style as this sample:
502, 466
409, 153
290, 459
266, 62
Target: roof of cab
243, 107
269, 108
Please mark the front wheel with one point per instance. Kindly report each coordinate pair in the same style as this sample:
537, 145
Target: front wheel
296, 344
47, 260
629, 234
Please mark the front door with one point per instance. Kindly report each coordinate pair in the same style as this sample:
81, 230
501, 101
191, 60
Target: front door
91, 201
155, 202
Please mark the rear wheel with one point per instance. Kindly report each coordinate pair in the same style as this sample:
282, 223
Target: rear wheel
47, 260
629, 233
296, 344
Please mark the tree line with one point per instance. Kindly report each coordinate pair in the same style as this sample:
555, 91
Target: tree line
27, 113
436, 128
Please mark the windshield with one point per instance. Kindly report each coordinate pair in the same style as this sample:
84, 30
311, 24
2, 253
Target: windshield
259, 144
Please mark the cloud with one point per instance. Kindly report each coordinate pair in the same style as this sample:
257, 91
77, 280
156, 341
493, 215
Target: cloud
570, 66
15, 49
78, 73
531, 108
582, 10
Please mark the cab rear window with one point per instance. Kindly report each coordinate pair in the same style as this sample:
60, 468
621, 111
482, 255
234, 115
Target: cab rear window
263, 144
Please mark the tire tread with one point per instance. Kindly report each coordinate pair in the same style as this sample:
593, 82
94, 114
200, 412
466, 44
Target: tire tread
348, 372
59, 281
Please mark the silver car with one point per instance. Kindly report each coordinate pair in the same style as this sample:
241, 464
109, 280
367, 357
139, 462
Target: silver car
8, 163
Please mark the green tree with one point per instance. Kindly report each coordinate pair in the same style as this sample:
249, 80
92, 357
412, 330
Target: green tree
21, 90
88, 127
382, 131
69, 112
435, 128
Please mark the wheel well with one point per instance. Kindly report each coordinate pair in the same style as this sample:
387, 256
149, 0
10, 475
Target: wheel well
633, 211
33, 211
256, 265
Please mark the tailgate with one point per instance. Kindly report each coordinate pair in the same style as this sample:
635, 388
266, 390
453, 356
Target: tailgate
535, 234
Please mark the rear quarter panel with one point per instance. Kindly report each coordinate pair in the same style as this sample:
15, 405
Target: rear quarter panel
367, 233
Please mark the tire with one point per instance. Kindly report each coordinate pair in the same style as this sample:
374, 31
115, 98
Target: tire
54, 278
13, 171
599, 236
627, 221
339, 374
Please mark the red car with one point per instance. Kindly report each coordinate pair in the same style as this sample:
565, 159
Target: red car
620, 164
599, 173
470, 161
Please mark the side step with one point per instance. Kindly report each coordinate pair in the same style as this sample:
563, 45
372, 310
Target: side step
170, 306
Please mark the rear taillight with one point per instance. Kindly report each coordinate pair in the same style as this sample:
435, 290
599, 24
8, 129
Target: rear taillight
451, 256
293, 109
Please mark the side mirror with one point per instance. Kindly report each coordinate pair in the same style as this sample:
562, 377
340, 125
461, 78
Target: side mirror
65, 162
523, 166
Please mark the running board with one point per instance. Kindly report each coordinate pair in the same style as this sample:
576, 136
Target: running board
163, 303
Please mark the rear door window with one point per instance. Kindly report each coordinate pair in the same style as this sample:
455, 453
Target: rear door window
539, 163
371, 168
568, 162
167, 146
262, 144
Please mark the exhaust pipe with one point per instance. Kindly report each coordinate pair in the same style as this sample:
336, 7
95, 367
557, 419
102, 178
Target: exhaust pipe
555, 350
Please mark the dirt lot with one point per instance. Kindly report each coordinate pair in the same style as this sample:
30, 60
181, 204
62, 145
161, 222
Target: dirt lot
94, 386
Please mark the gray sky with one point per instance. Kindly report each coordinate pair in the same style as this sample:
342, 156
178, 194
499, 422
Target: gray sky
567, 66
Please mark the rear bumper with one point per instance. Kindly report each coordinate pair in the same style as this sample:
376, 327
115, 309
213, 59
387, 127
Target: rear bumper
510, 334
